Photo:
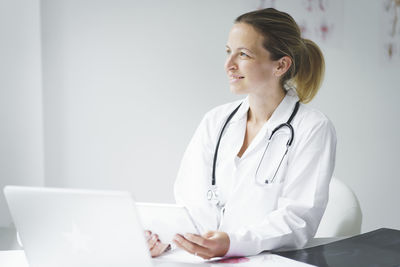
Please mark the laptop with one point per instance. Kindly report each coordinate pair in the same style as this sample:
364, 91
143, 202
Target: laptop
76, 228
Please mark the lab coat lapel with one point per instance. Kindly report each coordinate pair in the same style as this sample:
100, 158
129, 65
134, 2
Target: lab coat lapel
237, 129
280, 115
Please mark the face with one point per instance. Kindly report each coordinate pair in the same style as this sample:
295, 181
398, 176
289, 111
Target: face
248, 64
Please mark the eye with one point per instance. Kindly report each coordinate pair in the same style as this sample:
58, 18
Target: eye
243, 54
228, 51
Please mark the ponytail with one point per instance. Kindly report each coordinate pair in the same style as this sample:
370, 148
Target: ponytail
310, 74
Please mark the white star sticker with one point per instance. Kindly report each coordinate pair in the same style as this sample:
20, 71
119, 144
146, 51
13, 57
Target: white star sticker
78, 241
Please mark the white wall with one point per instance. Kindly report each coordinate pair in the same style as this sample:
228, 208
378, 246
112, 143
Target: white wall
21, 129
361, 95
126, 83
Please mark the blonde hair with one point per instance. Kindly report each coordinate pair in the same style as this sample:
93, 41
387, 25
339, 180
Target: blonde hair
282, 37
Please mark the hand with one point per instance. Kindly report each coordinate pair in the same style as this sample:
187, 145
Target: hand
212, 244
155, 245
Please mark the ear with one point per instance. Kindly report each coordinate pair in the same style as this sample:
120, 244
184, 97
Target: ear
283, 65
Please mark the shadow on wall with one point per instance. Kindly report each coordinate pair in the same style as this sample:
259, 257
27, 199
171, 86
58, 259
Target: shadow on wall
8, 239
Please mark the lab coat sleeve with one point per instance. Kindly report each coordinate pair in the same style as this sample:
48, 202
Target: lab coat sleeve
303, 200
195, 173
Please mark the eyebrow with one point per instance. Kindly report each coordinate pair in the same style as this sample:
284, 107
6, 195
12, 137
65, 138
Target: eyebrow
239, 48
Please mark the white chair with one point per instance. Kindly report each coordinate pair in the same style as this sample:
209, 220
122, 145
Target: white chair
343, 215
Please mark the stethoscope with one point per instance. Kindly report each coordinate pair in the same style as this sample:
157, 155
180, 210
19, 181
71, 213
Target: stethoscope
213, 192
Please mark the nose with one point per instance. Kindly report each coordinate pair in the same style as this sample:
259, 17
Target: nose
230, 63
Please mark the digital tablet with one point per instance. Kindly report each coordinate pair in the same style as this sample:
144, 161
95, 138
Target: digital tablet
166, 220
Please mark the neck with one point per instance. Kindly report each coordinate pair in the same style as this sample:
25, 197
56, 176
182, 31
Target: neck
262, 106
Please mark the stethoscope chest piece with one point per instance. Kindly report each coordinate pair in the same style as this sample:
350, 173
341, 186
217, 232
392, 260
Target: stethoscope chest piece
210, 194
213, 196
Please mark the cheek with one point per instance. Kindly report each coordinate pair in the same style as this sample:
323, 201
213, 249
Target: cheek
260, 72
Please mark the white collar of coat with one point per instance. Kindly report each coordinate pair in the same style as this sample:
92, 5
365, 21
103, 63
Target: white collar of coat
280, 115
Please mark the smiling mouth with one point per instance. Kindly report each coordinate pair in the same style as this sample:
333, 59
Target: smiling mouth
235, 78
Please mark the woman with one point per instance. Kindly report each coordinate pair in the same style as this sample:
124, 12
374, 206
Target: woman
268, 188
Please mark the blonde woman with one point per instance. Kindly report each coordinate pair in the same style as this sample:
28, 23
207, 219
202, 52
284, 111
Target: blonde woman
256, 173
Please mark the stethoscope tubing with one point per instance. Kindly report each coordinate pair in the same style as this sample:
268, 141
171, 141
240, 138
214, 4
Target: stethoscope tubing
289, 143
213, 181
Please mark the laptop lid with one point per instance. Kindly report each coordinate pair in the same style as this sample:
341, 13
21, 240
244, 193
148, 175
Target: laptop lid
71, 228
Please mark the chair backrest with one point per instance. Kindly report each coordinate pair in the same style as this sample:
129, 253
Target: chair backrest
343, 215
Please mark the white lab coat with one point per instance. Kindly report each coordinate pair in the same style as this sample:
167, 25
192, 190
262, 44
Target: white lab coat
283, 214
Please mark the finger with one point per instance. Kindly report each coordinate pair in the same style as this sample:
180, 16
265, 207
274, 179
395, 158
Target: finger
179, 245
205, 256
189, 246
152, 241
147, 234
209, 234
161, 247
158, 249
199, 240
154, 250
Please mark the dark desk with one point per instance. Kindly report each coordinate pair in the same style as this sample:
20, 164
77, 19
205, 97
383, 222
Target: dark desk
379, 248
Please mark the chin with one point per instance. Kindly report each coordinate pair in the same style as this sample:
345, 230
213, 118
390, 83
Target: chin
238, 90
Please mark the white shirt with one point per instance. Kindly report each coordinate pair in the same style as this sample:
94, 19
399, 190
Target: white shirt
283, 214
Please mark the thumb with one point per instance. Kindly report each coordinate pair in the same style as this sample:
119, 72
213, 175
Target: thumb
209, 234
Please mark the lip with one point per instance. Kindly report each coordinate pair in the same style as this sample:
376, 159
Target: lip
235, 78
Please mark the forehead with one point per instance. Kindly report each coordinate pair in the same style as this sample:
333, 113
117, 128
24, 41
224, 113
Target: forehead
244, 35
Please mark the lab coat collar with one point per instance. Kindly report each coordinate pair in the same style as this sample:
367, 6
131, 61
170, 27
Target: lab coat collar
280, 115
242, 111
284, 110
